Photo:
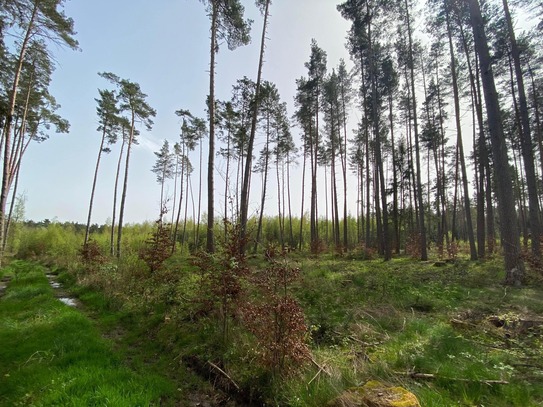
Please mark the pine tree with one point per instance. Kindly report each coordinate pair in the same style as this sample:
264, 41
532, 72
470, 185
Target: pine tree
107, 111
164, 169
227, 24
37, 20
514, 266
132, 101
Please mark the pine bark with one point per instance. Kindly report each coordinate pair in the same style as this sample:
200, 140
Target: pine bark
514, 266
525, 139
210, 244
125, 184
245, 189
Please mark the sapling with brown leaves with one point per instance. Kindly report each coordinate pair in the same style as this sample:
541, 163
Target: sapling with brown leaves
276, 318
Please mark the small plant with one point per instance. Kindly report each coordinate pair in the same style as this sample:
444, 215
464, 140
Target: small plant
318, 247
157, 248
413, 245
276, 318
92, 255
223, 274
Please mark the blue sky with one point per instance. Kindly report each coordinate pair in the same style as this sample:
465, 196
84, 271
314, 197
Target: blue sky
162, 45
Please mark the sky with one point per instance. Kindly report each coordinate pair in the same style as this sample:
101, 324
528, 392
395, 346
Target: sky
164, 46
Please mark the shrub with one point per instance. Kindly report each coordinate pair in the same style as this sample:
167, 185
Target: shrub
276, 319
223, 275
158, 248
92, 255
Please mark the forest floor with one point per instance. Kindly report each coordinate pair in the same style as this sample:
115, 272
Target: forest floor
450, 332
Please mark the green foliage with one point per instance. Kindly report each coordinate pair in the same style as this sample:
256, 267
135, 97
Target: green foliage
52, 242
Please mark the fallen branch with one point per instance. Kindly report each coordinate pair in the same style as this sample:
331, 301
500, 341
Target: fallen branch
430, 376
213, 365
321, 368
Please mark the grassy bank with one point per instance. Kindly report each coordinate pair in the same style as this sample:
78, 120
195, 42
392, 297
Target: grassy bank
51, 354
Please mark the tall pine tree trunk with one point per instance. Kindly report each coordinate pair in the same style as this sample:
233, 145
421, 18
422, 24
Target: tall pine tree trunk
525, 140
303, 196
422, 225
115, 189
460, 144
264, 184
176, 227
210, 244
87, 229
125, 185
245, 189
514, 266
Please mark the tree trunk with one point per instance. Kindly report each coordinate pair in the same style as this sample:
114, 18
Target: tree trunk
264, 184
245, 189
115, 189
280, 212
303, 189
460, 144
481, 153
87, 229
344, 170
210, 244
227, 183
395, 218
125, 185
514, 266
525, 140
181, 179
197, 236
422, 226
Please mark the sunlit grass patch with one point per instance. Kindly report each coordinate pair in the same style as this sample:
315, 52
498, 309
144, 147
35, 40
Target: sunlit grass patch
53, 355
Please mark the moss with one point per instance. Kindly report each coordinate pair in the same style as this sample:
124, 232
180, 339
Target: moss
376, 394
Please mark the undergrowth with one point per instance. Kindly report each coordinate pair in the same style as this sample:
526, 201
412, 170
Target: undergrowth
470, 340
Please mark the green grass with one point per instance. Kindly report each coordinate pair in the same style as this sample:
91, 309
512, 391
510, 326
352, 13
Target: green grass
376, 320
368, 320
52, 354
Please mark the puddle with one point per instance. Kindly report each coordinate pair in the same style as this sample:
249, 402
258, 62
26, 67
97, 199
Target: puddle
4, 284
71, 302
68, 301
